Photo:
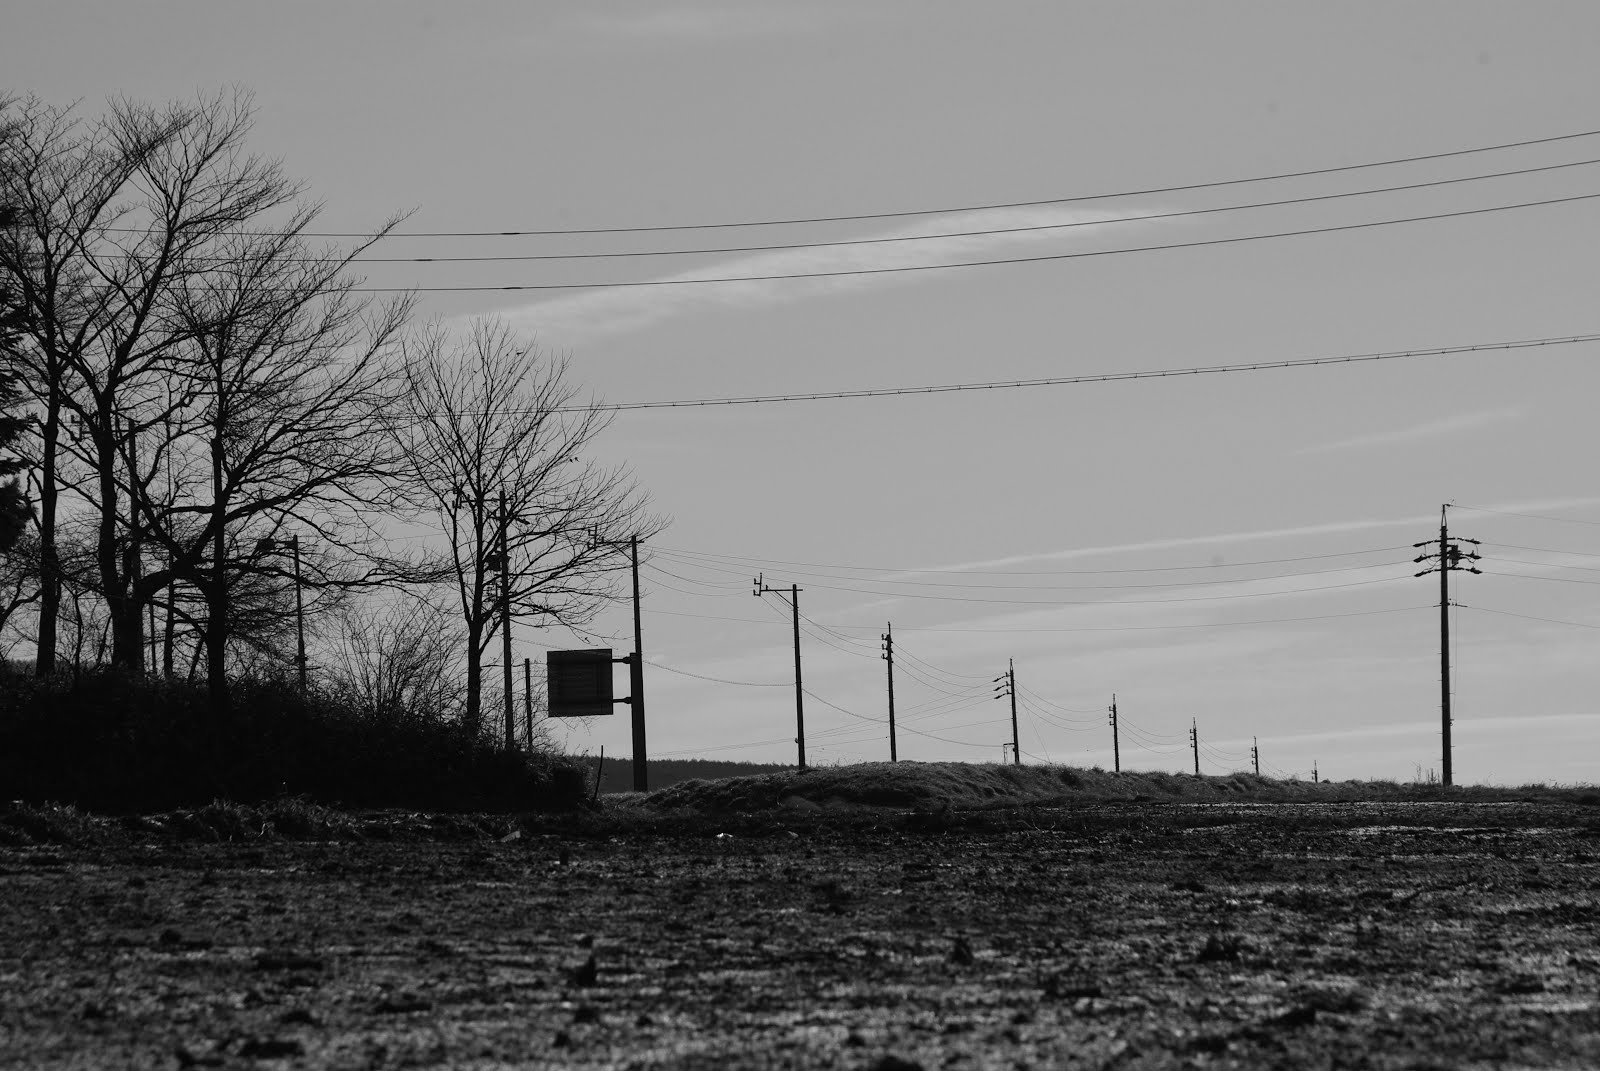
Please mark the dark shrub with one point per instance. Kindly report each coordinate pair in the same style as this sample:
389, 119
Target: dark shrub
114, 742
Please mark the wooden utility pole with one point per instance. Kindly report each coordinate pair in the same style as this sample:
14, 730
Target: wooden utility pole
641, 777
1008, 687
761, 588
134, 559
299, 614
505, 622
527, 702
1116, 746
1194, 742
1448, 557
1016, 743
172, 584
888, 657
1255, 755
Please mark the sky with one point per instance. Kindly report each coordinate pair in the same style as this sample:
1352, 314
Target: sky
1229, 551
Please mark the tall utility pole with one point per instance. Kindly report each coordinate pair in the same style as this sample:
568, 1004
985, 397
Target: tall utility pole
888, 657
135, 550
172, 587
299, 614
1255, 756
1194, 742
641, 779
527, 702
1447, 556
761, 588
635, 663
505, 622
1116, 746
1008, 687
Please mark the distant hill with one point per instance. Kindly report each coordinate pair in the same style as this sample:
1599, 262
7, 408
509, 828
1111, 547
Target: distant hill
618, 775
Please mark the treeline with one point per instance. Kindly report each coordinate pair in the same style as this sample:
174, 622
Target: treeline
231, 462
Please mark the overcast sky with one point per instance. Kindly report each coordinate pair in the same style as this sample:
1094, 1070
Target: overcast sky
1232, 548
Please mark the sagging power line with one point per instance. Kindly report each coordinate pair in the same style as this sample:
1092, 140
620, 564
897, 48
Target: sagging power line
950, 209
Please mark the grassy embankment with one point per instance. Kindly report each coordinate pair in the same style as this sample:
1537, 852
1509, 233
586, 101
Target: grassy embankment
963, 786
927, 797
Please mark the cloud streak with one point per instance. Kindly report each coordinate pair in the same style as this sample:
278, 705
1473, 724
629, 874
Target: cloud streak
1431, 429
565, 321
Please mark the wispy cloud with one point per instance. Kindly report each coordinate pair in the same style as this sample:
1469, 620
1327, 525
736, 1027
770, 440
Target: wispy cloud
1215, 539
564, 321
1255, 535
1430, 429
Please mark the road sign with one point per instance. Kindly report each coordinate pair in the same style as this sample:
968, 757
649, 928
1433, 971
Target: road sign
579, 683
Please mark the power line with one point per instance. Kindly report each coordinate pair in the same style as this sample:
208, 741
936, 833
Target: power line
1526, 617
1164, 739
1104, 377
954, 676
1070, 587
1529, 516
988, 232
987, 263
904, 213
719, 680
842, 710
721, 747
1064, 711
943, 687
1547, 579
671, 552
1545, 550
1080, 628
1116, 602
1540, 565
1032, 710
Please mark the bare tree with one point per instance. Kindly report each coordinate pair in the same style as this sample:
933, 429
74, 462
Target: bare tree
114, 216
396, 658
494, 434
19, 587
287, 383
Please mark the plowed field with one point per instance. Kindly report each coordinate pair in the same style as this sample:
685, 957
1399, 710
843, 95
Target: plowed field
1138, 935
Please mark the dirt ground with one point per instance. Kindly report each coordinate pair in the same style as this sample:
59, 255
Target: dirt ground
1139, 935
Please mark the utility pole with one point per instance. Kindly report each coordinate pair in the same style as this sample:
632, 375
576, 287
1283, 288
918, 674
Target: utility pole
505, 622
527, 702
135, 551
1116, 746
299, 614
1316, 778
635, 663
888, 657
172, 585
1447, 557
1008, 687
761, 588
1194, 742
641, 779
1255, 756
